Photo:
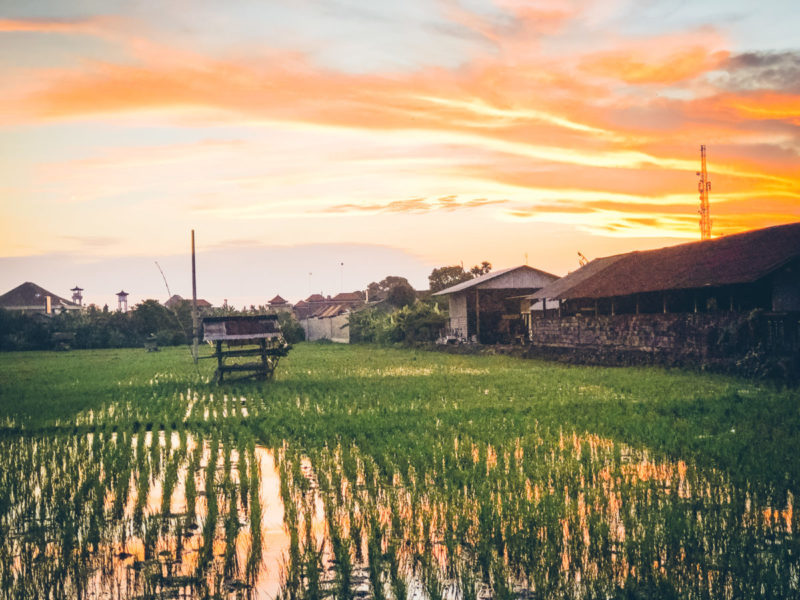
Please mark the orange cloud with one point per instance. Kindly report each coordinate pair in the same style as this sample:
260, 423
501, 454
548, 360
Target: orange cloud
655, 66
445, 203
513, 123
86, 26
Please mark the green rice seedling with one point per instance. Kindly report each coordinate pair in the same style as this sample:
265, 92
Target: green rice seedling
255, 556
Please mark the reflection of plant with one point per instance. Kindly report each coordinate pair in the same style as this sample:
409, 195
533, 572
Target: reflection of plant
450, 474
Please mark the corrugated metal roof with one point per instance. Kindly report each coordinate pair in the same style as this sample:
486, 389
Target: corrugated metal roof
470, 283
735, 259
347, 297
331, 311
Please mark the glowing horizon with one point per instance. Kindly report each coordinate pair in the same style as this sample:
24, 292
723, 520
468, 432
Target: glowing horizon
499, 123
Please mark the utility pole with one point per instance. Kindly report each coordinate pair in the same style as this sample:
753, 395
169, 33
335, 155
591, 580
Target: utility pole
704, 186
195, 328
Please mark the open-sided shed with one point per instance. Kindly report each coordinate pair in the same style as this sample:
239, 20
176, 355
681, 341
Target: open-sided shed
487, 308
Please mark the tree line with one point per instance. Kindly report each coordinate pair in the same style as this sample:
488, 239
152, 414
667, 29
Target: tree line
400, 315
148, 322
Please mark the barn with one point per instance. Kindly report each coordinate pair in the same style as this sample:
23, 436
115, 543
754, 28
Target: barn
487, 309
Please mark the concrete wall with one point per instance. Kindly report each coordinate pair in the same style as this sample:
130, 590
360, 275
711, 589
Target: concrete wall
336, 329
458, 313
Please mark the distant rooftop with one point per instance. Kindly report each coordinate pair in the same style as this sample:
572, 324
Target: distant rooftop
29, 296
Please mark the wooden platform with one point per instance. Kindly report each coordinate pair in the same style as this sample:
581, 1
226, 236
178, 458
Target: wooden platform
241, 337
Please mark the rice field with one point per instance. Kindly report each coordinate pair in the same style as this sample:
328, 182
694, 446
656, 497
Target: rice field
363, 472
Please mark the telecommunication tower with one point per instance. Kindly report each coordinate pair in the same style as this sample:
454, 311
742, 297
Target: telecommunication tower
704, 186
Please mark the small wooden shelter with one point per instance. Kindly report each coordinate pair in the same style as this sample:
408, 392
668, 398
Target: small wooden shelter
255, 337
487, 309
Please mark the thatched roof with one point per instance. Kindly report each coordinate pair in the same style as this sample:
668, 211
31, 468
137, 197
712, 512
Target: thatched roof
735, 259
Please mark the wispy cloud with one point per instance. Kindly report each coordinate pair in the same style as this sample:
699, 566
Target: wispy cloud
415, 205
93, 26
553, 113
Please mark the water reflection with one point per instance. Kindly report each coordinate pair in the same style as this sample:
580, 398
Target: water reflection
548, 515
553, 515
139, 516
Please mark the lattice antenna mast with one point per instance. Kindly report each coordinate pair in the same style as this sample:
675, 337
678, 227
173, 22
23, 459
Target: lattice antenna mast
704, 186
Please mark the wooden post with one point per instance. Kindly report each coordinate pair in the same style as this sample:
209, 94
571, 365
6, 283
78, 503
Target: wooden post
664, 303
477, 316
219, 360
613, 307
264, 364
637, 304
195, 328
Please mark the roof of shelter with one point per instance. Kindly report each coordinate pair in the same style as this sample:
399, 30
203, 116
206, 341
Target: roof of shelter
479, 281
734, 259
240, 327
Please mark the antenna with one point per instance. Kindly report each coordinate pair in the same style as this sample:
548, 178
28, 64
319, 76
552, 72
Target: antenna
704, 186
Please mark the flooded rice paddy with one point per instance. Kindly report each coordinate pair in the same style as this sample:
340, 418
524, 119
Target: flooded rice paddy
552, 514
368, 474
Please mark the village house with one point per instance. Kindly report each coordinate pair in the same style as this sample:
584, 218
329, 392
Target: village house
487, 309
279, 304
681, 300
31, 298
327, 317
175, 301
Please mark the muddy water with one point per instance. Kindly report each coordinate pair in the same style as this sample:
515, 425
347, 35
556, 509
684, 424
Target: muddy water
560, 515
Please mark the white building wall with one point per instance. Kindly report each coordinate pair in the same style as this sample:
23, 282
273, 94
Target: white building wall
458, 313
336, 329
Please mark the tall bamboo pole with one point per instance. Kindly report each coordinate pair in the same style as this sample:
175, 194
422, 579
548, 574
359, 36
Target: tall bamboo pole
195, 329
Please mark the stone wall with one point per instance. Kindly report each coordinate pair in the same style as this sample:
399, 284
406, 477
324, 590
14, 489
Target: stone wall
741, 342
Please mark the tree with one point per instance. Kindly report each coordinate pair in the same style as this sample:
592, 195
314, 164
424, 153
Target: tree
401, 294
445, 277
481, 269
381, 290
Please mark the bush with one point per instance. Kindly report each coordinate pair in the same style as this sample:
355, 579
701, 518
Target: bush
293, 332
418, 322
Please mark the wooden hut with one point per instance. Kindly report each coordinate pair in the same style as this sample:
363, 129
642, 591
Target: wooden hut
488, 308
250, 345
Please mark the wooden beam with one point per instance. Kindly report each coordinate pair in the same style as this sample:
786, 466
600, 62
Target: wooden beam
195, 328
477, 315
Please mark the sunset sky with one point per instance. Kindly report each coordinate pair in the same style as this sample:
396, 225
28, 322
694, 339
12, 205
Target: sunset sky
319, 145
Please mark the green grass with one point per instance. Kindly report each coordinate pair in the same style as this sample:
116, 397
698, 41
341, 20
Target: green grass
324, 392
490, 459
